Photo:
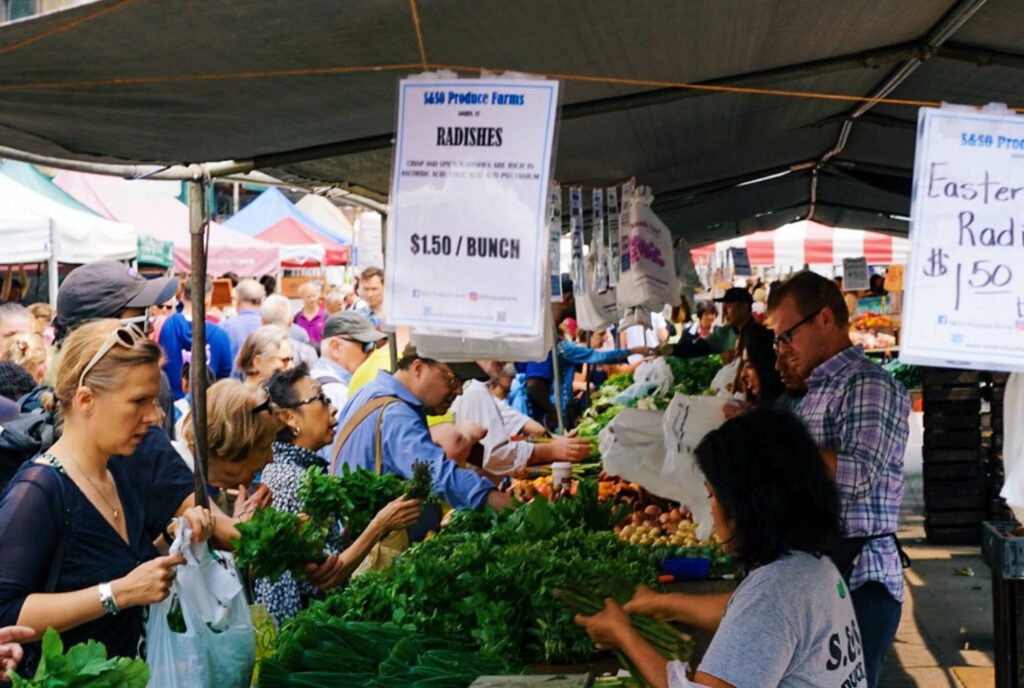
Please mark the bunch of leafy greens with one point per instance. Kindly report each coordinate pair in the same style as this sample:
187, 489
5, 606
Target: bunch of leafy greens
693, 376
314, 649
909, 375
84, 666
354, 497
421, 481
275, 541
492, 577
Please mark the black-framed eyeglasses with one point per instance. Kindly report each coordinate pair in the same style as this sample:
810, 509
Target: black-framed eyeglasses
319, 396
265, 406
786, 337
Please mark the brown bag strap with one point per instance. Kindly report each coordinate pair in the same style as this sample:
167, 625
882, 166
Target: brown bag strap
353, 422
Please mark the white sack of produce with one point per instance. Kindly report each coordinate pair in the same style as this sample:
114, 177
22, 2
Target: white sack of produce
201, 636
1013, 446
632, 448
687, 419
652, 378
648, 272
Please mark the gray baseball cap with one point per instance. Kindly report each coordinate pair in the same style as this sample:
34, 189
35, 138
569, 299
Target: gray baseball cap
105, 288
354, 325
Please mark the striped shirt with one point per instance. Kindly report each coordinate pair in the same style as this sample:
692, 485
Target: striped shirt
858, 410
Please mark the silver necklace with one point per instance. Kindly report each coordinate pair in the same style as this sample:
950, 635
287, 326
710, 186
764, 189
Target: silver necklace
117, 512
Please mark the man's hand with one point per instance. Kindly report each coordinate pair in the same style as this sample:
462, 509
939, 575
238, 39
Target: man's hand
10, 650
498, 500
641, 350
570, 448
831, 459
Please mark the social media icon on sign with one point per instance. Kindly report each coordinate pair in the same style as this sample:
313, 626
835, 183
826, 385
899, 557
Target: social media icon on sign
415, 293
943, 320
958, 339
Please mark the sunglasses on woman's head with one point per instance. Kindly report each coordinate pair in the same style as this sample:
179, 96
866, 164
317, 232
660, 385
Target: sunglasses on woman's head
126, 335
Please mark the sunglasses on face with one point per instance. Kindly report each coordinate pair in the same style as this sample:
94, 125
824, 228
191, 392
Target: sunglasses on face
319, 396
367, 347
786, 337
126, 335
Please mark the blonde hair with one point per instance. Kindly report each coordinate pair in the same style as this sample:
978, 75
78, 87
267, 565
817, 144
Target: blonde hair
109, 372
264, 341
41, 310
232, 429
28, 350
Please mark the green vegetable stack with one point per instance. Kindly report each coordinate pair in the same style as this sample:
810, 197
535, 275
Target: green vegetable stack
84, 666
277, 541
316, 651
492, 577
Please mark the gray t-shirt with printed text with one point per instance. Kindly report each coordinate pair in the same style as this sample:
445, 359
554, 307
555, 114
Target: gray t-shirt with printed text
789, 624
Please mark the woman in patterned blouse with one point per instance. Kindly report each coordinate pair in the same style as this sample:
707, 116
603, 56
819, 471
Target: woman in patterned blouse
310, 419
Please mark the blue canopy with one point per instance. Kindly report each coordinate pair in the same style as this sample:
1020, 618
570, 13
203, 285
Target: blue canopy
269, 208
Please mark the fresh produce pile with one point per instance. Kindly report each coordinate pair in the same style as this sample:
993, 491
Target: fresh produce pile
492, 577
667, 641
654, 528
84, 666
315, 650
277, 541
691, 376
909, 375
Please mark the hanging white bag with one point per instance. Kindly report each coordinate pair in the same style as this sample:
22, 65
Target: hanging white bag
651, 378
595, 310
217, 648
1013, 446
687, 419
648, 273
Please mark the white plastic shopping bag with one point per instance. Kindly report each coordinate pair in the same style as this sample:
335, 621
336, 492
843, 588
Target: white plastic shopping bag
632, 448
648, 273
201, 636
1013, 446
687, 419
653, 377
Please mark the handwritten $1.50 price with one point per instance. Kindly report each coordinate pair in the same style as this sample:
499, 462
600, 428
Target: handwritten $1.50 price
980, 277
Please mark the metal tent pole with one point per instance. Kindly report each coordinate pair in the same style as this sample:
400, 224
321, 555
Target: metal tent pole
197, 225
558, 384
52, 266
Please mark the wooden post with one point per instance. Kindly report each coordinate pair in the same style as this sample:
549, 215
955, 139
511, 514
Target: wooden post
197, 228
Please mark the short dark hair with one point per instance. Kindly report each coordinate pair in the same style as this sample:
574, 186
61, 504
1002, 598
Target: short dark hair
281, 385
706, 307
759, 343
15, 381
269, 283
771, 483
406, 361
186, 374
186, 289
811, 292
233, 276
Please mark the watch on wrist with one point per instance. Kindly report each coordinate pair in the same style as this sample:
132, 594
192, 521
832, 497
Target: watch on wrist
107, 599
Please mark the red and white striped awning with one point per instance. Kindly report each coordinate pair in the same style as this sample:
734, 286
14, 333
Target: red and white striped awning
803, 243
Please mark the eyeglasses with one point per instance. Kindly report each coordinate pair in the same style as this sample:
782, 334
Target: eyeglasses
265, 406
453, 381
786, 337
319, 396
165, 307
127, 336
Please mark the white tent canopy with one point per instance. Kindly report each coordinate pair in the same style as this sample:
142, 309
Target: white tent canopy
326, 213
25, 237
79, 236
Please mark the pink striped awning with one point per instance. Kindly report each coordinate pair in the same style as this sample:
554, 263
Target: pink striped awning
810, 243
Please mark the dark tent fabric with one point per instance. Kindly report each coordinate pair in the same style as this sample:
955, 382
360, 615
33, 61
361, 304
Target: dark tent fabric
286, 85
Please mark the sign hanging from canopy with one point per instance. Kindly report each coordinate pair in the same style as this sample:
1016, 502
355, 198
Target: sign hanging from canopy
467, 236
965, 281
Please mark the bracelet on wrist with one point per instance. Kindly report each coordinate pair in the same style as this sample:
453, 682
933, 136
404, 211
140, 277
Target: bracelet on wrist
107, 599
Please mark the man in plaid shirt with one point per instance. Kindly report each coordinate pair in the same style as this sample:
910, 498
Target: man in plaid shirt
857, 413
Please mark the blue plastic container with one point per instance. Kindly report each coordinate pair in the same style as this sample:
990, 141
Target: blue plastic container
688, 568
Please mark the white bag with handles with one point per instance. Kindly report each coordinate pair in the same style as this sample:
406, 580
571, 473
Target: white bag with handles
217, 648
648, 272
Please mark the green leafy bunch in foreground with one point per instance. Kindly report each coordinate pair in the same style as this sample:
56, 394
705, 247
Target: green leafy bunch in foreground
492, 577
84, 666
275, 541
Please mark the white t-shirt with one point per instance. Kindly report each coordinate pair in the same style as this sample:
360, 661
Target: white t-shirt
501, 455
789, 624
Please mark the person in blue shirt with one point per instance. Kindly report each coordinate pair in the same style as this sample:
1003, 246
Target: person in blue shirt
249, 295
176, 337
396, 408
540, 375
